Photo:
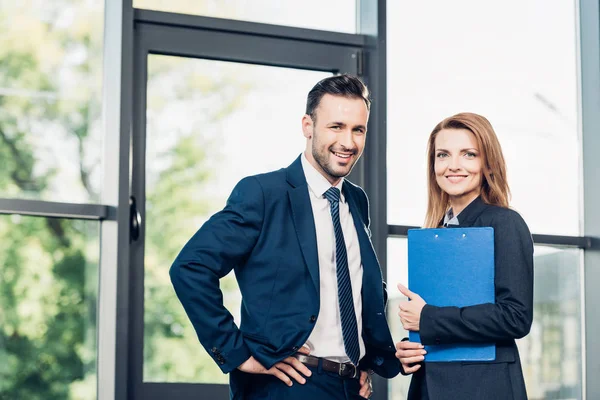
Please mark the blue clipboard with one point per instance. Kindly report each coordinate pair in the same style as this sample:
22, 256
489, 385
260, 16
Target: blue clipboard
453, 267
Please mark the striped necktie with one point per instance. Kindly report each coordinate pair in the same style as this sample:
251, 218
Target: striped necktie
346, 303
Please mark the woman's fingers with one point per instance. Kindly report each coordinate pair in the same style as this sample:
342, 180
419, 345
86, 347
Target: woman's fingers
411, 360
410, 370
406, 345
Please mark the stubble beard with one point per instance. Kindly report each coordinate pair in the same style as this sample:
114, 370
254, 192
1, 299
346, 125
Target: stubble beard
323, 161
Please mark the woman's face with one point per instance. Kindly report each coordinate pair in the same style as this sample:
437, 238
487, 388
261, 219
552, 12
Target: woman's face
458, 164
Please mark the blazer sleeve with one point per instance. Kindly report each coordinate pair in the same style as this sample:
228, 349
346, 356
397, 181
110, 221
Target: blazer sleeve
222, 243
512, 314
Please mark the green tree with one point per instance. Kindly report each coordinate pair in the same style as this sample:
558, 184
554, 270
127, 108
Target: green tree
50, 75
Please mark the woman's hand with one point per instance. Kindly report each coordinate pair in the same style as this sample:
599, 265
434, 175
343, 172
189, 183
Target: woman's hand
410, 355
410, 311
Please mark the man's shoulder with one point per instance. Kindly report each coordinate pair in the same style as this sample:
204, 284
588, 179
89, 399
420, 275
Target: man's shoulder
266, 181
355, 190
269, 179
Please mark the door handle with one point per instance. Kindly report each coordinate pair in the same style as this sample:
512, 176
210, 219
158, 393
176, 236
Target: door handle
135, 220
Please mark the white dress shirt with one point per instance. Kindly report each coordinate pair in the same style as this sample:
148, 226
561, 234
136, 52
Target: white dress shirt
326, 338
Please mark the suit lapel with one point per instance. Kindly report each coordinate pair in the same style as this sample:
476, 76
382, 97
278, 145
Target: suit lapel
367, 254
303, 218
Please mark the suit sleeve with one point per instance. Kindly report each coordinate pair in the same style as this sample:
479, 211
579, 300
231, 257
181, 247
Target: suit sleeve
512, 314
222, 243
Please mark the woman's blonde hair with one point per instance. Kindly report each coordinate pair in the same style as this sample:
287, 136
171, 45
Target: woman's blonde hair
494, 187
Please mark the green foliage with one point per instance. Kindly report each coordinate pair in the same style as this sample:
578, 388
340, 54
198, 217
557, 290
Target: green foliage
49, 267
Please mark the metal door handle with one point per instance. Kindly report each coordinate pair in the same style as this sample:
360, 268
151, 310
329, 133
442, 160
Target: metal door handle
135, 220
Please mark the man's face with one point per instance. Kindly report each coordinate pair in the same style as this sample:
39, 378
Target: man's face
335, 141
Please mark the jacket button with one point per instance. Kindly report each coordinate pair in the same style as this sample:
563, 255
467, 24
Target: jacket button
221, 361
214, 350
313, 318
295, 348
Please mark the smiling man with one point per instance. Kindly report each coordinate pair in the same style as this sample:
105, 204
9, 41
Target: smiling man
313, 303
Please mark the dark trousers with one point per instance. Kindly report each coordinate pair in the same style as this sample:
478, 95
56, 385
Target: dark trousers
321, 385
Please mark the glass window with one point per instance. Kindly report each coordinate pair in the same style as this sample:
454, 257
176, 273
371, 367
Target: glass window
551, 354
514, 62
50, 99
209, 124
397, 272
48, 296
332, 15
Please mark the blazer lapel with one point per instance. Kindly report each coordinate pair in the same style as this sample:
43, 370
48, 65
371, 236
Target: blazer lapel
303, 218
367, 254
372, 277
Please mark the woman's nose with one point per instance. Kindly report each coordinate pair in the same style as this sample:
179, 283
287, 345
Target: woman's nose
454, 163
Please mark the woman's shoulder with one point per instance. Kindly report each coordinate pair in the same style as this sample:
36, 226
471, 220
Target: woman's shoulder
502, 216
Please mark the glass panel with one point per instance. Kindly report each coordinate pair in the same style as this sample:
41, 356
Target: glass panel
551, 353
209, 123
500, 60
331, 15
397, 272
50, 99
48, 296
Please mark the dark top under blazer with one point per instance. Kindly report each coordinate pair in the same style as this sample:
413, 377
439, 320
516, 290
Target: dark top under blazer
266, 234
509, 318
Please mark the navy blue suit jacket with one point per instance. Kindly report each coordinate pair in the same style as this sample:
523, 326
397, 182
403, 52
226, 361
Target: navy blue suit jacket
266, 234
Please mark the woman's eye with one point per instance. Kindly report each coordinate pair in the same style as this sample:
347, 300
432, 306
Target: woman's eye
470, 154
442, 155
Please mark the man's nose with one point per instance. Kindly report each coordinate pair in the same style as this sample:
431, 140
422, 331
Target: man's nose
345, 139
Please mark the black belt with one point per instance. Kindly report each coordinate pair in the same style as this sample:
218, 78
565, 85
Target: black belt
345, 370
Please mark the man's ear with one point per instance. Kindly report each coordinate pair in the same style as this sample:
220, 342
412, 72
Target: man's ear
307, 126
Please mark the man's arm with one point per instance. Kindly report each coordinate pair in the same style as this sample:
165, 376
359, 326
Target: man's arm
222, 242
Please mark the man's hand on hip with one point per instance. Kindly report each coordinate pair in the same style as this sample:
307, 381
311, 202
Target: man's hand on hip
283, 370
366, 384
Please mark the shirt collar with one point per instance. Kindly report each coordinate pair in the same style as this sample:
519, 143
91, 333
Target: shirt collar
317, 183
450, 218
471, 212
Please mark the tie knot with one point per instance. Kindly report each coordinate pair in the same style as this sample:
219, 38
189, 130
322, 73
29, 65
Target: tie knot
333, 194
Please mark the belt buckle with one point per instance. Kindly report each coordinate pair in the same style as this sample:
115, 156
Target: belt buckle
342, 370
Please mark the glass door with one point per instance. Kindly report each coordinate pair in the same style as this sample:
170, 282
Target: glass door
205, 116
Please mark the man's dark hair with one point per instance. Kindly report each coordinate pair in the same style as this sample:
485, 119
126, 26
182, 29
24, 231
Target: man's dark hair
340, 85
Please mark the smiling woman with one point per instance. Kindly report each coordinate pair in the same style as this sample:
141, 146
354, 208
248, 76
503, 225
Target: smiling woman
465, 161
458, 166
468, 188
